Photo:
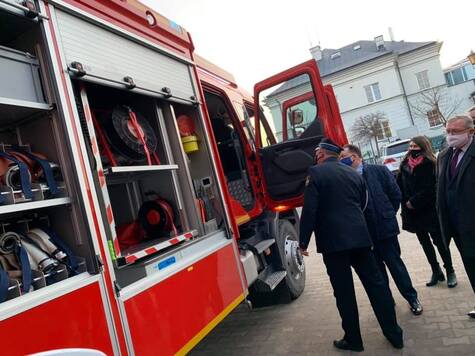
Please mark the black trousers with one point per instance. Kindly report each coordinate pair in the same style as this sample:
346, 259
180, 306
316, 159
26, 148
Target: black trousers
388, 254
468, 263
428, 247
364, 263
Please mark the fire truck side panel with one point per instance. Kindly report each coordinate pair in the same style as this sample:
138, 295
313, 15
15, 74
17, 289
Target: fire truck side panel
175, 314
70, 320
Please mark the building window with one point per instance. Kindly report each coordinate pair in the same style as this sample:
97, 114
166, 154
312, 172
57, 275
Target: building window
372, 92
448, 79
384, 130
433, 116
456, 76
423, 80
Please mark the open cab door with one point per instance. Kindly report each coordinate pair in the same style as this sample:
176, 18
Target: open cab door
296, 107
335, 129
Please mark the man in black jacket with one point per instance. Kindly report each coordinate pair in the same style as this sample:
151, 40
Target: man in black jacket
334, 201
383, 203
456, 192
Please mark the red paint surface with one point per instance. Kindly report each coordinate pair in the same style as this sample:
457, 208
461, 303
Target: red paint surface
337, 132
164, 318
74, 320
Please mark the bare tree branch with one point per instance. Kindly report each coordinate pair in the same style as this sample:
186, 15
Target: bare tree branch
435, 99
368, 128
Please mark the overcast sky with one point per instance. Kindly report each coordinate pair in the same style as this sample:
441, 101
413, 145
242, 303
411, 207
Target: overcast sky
258, 38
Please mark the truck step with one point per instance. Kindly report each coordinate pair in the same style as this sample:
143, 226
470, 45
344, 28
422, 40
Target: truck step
264, 244
269, 279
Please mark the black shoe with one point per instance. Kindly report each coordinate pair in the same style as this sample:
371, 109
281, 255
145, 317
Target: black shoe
416, 307
395, 337
451, 279
344, 345
471, 313
437, 276
399, 344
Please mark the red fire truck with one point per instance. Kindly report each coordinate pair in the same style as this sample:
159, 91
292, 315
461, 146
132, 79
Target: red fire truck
143, 194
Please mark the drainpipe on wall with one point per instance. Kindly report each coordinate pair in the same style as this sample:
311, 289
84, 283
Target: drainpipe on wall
404, 92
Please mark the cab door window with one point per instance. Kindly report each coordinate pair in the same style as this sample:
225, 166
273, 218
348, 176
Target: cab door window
266, 132
290, 108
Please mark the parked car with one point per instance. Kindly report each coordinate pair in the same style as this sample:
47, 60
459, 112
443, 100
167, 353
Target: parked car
393, 154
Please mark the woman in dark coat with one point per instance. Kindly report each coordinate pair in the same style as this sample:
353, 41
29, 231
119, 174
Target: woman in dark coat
417, 181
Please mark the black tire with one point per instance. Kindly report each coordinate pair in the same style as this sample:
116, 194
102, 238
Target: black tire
292, 260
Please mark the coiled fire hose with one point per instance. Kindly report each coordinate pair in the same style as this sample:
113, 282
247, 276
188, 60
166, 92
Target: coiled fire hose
14, 259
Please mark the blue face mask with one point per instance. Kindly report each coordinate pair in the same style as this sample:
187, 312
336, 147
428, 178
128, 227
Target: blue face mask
347, 160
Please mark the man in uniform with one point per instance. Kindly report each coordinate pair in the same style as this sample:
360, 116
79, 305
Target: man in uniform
384, 198
334, 201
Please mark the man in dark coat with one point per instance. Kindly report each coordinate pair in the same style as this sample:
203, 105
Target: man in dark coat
334, 201
383, 203
456, 192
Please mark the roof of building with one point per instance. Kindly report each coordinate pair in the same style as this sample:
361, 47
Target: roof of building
351, 55
459, 64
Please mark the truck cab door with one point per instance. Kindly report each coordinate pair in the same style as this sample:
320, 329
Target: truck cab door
335, 129
295, 105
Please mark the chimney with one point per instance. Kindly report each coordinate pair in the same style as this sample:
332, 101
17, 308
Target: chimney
379, 41
316, 52
391, 34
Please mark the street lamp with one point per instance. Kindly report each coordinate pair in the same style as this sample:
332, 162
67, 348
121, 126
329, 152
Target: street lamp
471, 57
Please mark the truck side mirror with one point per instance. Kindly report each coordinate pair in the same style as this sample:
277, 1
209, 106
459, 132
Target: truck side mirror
296, 117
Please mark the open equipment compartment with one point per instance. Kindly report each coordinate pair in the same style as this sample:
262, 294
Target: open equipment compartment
189, 137
43, 238
141, 198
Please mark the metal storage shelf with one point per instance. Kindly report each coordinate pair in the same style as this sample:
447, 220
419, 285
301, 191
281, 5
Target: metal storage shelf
13, 208
14, 111
149, 248
134, 169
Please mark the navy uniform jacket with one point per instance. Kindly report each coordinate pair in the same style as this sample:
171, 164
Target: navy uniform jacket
334, 201
383, 203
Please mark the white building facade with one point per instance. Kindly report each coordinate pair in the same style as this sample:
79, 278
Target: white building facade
402, 81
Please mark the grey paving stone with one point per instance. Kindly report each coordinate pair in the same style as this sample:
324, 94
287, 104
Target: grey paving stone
464, 340
309, 325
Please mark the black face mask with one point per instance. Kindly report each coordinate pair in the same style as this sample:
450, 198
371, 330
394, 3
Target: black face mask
415, 153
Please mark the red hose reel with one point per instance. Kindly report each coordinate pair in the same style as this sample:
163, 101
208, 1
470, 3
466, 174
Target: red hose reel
155, 220
125, 136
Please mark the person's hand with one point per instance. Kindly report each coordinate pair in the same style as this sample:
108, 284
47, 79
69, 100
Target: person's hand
303, 252
409, 205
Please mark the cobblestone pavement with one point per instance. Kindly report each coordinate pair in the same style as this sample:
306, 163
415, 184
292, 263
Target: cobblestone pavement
309, 325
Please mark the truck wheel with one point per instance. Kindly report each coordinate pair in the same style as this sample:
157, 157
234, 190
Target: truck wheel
292, 259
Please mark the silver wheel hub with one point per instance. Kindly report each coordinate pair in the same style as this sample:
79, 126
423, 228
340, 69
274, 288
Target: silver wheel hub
293, 258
